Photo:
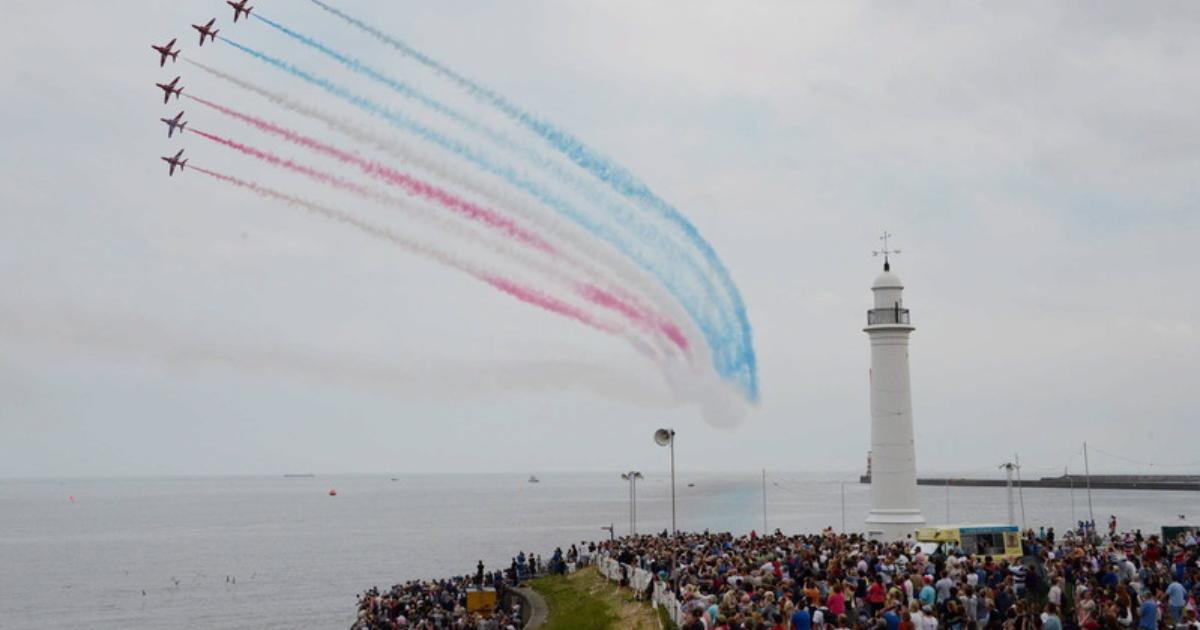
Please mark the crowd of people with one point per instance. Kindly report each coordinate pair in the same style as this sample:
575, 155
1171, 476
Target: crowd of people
443, 605
829, 581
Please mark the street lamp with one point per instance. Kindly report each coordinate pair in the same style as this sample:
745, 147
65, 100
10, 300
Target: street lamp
666, 437
632, 477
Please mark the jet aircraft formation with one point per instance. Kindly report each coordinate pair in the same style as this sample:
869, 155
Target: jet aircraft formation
168, 51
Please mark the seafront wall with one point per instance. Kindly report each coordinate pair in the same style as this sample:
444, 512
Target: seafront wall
534, 611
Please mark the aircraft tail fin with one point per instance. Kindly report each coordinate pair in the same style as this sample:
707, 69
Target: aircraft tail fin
183, 127
175, 56
213, 37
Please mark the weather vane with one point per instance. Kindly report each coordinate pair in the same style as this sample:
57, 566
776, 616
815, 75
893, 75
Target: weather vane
885, 252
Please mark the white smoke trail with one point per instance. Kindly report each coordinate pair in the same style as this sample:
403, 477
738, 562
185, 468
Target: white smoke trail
607, 267
572, 309
63, 330
421, 212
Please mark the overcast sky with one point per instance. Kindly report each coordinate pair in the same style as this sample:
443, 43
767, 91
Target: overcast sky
1036, 161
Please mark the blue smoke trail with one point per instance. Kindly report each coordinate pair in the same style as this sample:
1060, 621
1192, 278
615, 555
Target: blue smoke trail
603, 168
622, 214
723, 347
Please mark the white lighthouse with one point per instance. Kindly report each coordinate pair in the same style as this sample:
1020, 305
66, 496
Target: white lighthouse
895, 512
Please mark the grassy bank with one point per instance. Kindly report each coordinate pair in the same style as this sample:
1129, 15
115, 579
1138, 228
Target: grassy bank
584, 600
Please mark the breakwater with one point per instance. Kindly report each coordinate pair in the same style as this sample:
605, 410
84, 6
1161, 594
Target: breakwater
1097, 482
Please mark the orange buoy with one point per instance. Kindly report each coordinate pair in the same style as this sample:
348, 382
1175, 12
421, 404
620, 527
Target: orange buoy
332, 492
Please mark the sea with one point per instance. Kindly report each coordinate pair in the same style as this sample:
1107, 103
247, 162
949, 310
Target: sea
281, 552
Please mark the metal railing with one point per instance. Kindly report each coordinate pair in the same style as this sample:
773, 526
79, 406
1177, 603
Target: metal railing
893, 315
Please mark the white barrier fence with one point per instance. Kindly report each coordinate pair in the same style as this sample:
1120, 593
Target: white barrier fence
639, 580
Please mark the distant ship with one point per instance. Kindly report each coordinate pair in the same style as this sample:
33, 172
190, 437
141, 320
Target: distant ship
533, 479
298, 475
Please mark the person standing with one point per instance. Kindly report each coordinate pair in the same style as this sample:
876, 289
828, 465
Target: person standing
837, 601
1176, 600
928, 594
929, 620
801, 620
1148, 614
1052, 620
943, 587
876, 595
892, 619
1055, 596
694, 621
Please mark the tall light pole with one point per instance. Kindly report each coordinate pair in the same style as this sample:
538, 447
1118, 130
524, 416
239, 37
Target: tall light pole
1020, 488
1009, 467
1087, 475
666, 437
843, 507
764, 485
632, 477
1071, 481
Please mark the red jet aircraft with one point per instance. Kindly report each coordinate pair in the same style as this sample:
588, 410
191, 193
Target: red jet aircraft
173, 124
207, 31
174, 162
169, 89
165, 51
239, 8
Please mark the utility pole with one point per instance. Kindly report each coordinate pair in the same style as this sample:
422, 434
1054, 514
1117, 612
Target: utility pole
674, 528
1087, 473
1071, 481
764, 488
843, 507
1020, 490
947, 500
632, 477
1008, 470
666, 437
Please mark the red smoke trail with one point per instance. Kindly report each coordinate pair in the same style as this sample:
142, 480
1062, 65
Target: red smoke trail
637, 315
525, 294
609, 263
540, 299
600, 297
486, 216
390, 175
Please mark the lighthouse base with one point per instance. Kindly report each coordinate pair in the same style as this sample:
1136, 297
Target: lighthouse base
890, 525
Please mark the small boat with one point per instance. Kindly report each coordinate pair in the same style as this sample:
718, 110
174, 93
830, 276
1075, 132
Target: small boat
395, 479
691, 485
533, 479
332, 492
